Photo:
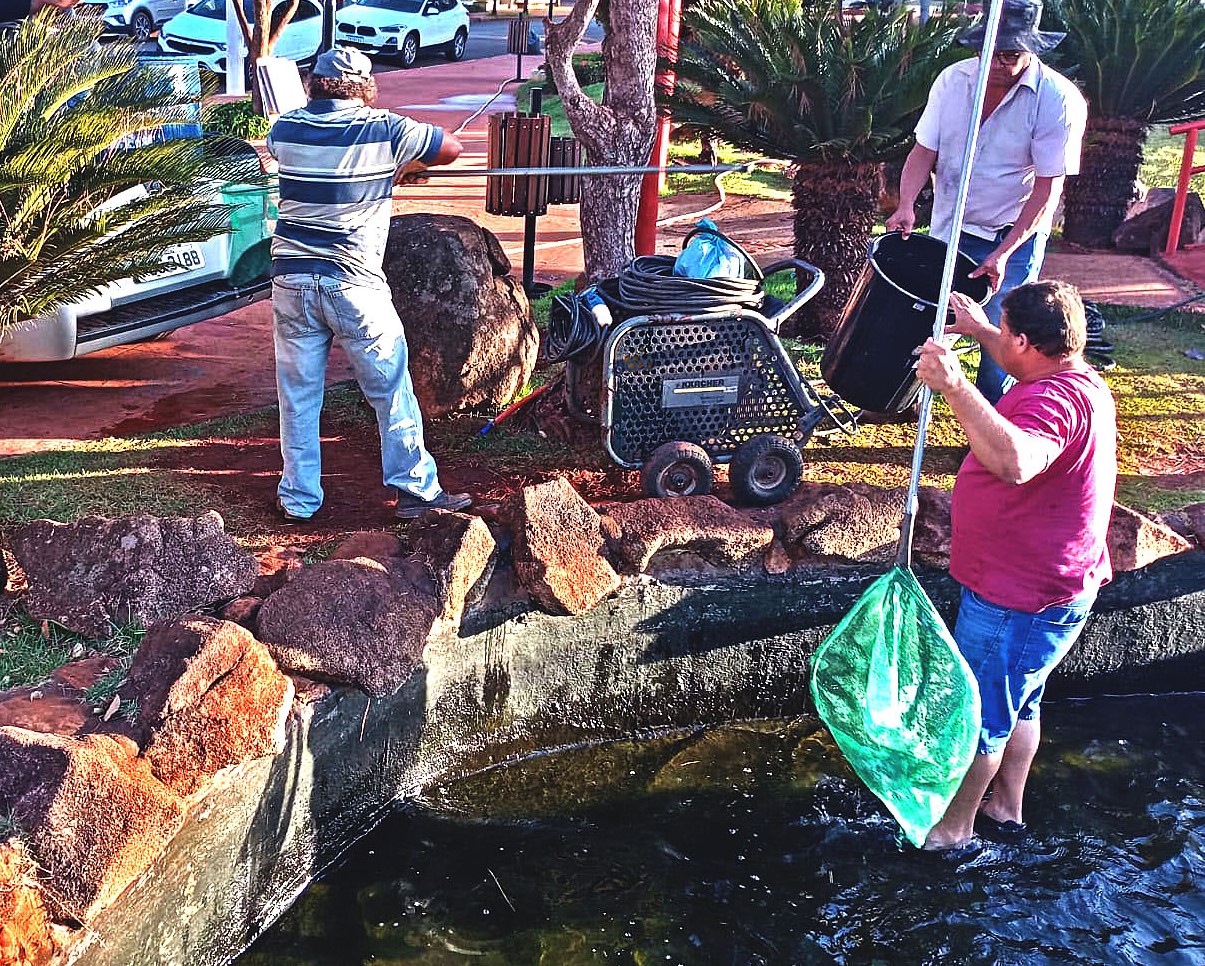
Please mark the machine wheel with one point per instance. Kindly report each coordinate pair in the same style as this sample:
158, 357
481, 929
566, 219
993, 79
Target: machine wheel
677, 469
766, 469
407, 53
457, 46
142, 25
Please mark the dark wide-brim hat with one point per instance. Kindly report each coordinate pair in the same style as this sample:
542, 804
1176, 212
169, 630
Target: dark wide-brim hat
1018, 29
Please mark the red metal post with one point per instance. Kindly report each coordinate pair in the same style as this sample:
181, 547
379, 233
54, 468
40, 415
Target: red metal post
669, 16
1186, 172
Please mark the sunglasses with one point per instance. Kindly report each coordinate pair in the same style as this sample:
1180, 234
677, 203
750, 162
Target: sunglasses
1008, 56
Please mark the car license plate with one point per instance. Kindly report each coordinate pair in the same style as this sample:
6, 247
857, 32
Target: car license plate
184, 258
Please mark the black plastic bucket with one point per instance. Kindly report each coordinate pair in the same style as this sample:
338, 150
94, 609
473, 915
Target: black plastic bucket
868, 361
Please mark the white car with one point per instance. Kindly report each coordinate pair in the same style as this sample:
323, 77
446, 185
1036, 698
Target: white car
399, 29
200, 32
139, 18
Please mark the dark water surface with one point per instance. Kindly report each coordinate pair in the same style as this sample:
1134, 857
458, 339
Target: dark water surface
752, 844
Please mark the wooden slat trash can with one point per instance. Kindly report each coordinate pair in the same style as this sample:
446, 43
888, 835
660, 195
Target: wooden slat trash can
565, 189
518, 141
517, 36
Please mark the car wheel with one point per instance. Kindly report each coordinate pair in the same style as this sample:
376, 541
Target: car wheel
456, 47
407, 53
142, 25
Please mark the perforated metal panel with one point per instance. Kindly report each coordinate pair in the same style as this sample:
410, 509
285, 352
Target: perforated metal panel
675, 380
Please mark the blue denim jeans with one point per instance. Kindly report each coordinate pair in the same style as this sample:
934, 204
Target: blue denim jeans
1023, 266
1011, 654
310, 312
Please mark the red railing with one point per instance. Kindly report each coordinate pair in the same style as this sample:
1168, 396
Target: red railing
1187, 170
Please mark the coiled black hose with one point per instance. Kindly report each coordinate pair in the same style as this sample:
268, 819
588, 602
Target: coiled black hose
573, 334
647, 286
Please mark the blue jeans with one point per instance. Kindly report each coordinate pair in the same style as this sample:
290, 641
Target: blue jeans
310, 312
1011, 654
1023, 266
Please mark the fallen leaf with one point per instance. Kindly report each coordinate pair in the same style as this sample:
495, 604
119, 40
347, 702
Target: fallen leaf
77, 650
35, 695
45, 630
113, 708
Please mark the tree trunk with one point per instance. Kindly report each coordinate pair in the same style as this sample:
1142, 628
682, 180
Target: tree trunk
618, 131
835, 204
1097, 198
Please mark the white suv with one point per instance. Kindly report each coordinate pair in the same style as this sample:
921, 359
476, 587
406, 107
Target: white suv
139, 18
401, 28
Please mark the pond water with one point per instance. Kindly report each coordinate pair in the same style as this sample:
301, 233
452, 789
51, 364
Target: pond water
753, 844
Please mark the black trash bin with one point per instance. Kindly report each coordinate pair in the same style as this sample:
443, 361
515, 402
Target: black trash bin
868, 361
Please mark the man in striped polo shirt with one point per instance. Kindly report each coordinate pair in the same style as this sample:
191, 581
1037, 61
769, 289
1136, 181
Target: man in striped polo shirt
339, 159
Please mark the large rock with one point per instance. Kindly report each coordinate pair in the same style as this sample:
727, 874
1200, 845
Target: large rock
92, 814
472, 338
209, 696
457, 549
1136, 540
25, 936
94, 573
362, 621
560, 548
828, 521
1145, 228
703, 525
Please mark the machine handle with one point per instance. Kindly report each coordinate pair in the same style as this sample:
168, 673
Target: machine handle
814, 286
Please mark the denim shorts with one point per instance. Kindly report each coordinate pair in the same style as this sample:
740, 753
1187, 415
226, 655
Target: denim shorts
1011, 654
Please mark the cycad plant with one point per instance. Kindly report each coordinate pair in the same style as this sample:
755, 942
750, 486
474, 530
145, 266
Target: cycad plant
1139, 62
80, 125
793, 79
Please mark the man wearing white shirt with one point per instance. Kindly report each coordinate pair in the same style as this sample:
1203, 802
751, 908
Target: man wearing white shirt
1030, 136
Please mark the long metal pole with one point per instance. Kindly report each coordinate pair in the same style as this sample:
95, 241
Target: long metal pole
616, 169
904, 552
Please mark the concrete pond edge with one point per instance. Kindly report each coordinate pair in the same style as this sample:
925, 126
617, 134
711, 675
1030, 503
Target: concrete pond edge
687, 645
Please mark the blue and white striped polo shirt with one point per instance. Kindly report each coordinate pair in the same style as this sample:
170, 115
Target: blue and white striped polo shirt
338, 160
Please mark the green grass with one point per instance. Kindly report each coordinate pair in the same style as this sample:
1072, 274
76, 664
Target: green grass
1161, 157
30, 650
766, 181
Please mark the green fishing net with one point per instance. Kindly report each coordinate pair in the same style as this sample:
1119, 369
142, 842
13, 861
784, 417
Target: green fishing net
900, 700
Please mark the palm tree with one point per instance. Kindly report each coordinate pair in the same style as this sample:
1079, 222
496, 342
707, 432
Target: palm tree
80, 126
794, 79
1139, 62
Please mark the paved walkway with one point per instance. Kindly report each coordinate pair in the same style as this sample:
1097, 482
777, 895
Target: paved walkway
225, 366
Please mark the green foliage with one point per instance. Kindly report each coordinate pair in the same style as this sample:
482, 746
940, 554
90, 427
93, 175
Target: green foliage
1139, 59
236, 118
75, 210
788, 79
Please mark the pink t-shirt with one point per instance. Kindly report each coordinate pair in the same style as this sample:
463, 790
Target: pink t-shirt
1042, 543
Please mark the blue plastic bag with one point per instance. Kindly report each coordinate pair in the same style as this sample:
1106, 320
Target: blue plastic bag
709, 255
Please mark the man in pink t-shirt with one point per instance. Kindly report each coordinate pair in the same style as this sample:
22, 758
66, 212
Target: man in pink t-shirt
1031, 509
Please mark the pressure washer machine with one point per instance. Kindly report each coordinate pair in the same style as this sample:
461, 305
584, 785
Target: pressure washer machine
694, 374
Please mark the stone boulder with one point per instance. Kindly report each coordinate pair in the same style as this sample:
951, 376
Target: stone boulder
931, 533
560, 548
25, 936
94, 573
91, 813
209, 696
1136, 540
854, 522
1188, 521
472, 338
703, 525
1145, 228
362, 621
457, 549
